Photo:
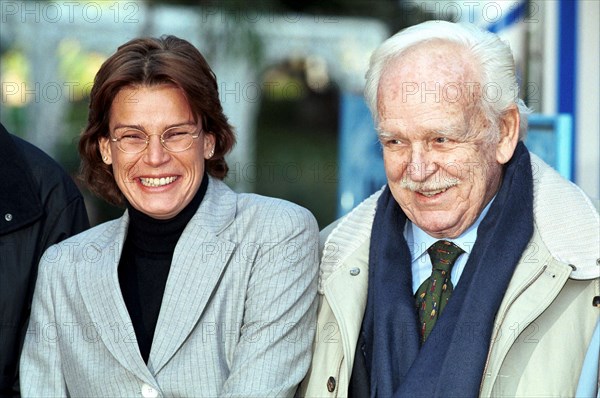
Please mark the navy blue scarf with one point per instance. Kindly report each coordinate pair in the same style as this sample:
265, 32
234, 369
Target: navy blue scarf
452, 360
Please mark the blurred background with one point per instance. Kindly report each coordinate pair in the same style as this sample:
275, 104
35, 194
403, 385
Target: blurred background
291, 75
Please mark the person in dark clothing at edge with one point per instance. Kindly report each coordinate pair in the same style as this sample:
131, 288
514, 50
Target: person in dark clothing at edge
40, 205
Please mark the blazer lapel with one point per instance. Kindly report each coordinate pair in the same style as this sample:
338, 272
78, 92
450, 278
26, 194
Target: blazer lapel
101, 293
198, 262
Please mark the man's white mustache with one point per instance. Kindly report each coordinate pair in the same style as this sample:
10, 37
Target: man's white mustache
427, 186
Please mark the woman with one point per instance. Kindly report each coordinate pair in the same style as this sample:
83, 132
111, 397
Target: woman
195, 290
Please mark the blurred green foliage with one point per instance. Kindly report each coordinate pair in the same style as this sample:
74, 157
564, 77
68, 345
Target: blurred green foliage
296, 152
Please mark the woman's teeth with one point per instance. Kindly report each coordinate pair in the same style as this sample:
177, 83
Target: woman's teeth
157, 182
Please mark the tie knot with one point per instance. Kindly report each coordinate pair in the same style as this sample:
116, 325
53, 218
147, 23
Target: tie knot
443, 254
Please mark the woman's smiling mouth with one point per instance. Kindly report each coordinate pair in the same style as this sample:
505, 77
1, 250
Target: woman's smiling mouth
157, 182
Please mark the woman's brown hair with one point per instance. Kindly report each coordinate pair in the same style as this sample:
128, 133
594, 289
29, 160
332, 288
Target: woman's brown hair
149, 62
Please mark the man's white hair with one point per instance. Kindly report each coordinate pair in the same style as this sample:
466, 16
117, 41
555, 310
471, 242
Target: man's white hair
492, 55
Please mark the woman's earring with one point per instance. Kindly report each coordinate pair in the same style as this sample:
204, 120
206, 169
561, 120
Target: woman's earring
105, 158
212, 152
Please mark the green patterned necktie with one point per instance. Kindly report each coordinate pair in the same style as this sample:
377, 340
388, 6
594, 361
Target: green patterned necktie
433, 294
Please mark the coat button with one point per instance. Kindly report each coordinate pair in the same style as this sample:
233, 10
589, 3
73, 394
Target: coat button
148, 391
8, 217
331, 384
355, 271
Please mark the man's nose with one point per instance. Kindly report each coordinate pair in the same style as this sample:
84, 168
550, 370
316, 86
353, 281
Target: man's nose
422, 162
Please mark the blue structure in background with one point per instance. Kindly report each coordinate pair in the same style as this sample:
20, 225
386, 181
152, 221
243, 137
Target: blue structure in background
567, 65
551, 138
361, 169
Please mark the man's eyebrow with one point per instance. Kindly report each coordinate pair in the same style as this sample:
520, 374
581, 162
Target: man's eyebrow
384, 133
450, 130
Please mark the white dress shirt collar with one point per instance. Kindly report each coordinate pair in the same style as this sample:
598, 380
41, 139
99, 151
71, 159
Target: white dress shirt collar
419, 241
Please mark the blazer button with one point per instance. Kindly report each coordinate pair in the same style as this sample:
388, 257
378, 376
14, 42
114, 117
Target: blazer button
331, 384
148, 391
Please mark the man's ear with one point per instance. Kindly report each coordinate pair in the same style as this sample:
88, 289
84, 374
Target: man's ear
509, 135
105, 150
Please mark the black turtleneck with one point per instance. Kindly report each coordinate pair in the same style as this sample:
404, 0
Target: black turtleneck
145, 264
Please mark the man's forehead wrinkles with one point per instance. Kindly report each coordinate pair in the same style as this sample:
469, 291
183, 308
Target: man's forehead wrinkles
427, 123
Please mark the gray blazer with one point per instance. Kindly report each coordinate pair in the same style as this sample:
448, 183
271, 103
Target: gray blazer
237, 315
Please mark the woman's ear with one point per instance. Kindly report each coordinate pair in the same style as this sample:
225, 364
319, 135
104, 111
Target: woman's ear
105, 150
509, 135
209, 145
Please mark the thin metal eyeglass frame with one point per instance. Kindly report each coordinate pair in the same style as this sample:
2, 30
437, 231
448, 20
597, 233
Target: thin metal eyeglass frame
162, 141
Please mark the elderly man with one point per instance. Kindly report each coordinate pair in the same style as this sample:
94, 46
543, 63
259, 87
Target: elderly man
474, 270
